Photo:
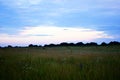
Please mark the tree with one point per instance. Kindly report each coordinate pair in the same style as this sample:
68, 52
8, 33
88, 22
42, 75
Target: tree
103, 44
9, 46
114, 43
91, 44
80, 44
64, 44
51, 45
71, 44
31, 45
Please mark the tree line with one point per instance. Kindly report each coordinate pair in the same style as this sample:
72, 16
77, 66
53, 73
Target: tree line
84, 44
73, 44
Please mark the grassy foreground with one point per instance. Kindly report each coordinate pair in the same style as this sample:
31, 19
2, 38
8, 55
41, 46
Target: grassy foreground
60, 63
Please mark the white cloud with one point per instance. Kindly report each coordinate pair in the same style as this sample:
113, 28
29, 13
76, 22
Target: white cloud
52, 34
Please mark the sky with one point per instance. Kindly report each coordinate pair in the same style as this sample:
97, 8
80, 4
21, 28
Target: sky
24, 22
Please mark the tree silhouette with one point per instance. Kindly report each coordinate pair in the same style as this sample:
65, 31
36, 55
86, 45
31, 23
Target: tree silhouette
51, 45
9, 46
103, 44
64, 44
71, 44
114, 43
79, 44
31, 45
91, 44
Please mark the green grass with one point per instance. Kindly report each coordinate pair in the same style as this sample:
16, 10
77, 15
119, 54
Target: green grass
60, 63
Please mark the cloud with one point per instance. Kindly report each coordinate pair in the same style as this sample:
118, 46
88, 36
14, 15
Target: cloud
53, 5
53, 34
32, 11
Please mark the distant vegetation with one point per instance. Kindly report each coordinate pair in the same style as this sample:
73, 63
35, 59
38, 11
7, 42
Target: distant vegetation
79, 44
73, 44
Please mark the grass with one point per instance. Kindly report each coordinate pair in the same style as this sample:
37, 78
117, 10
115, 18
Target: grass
60, 63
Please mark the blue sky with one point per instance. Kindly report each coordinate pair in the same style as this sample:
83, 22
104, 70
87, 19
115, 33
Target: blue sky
23, 22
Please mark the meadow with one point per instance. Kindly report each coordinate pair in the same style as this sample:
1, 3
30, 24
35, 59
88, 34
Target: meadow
60, 63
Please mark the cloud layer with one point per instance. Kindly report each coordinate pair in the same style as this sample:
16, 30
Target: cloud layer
32, 11
52, 34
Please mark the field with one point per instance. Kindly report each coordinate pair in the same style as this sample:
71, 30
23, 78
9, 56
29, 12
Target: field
60, 63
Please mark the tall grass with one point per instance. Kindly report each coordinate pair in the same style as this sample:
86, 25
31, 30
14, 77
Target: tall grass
60, 63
